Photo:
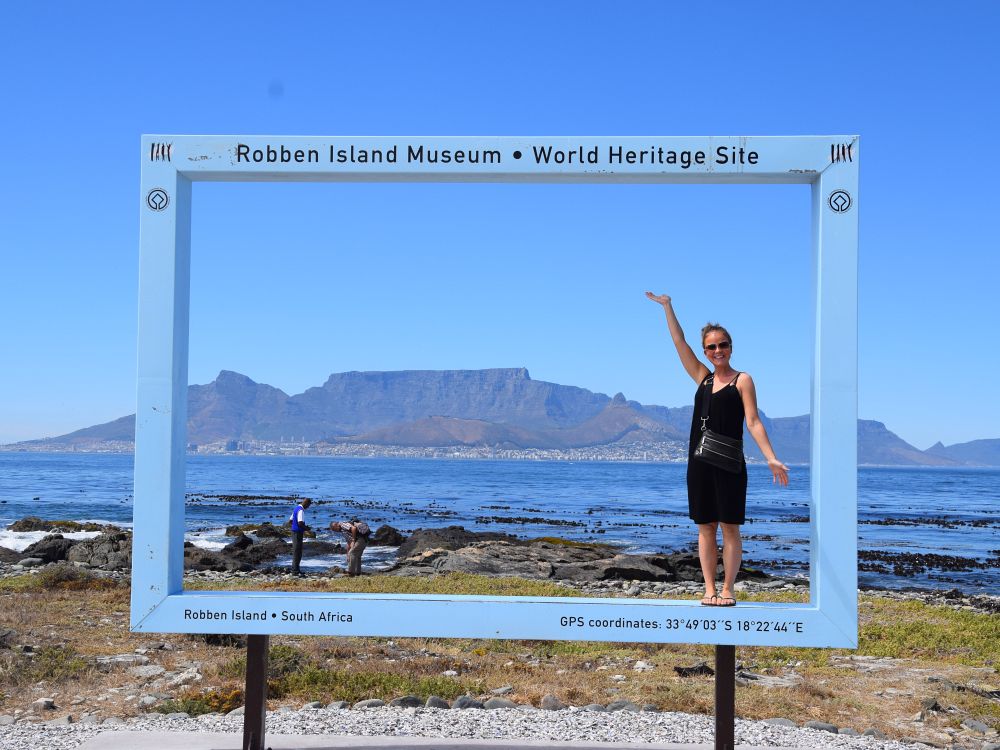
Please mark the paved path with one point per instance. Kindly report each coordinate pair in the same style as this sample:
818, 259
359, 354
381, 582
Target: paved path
231, 741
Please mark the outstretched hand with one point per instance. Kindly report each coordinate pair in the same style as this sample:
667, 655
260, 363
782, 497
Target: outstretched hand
779, 472
662, 299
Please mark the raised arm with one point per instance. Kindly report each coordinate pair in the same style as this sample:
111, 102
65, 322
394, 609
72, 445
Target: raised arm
748, 392
694, 367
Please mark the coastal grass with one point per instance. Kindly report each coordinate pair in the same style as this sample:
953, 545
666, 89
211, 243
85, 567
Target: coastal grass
49, 664
69, 626
446, 583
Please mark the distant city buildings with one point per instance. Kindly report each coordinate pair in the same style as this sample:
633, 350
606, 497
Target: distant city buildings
672, 452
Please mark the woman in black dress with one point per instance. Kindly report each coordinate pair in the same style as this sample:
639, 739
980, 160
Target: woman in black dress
716, 497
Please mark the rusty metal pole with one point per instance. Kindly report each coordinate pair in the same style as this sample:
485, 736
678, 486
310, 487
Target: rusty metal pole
725, 697
255, 695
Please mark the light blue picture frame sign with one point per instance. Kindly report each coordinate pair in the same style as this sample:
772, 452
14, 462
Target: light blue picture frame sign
170, 164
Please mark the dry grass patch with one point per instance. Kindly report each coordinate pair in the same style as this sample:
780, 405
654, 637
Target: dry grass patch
916, 640
447, 583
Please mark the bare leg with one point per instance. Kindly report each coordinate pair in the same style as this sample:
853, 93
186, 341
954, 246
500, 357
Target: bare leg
732, 557
708, 554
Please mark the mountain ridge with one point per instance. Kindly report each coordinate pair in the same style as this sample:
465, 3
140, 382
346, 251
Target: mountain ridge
498, 407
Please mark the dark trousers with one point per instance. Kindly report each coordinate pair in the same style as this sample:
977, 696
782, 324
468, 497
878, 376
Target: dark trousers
296, 550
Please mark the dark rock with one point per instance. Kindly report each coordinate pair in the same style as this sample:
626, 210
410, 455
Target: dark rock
481, 558
821, 725
320, 548
226, 640
921, 741
434, 702
108, 551
406, 701
551, 703
496, 702
619, 567
623, 706
975, 725
266, 530
782, 722
34, 523
386, 536
240, 543
312, 704
370, 703
8, 555
649, 708
701, 668
873, 732
931, 704
466, 701
849, 732
449, 538
7, 638
261, 552
196, 558
454, 549
31, 562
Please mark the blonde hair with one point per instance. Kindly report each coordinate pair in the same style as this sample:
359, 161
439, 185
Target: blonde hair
709, 328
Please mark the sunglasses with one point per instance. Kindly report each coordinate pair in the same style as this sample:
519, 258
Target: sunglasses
723, 345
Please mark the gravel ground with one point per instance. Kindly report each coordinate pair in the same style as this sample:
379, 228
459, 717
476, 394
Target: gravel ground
568, 725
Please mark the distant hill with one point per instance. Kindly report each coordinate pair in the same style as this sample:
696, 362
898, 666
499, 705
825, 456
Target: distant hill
974, 453
877, 445
502, 408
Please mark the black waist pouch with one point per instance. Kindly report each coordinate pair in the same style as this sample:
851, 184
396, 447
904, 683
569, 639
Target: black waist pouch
722, 452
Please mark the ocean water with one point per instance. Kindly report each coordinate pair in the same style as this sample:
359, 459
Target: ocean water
933, 528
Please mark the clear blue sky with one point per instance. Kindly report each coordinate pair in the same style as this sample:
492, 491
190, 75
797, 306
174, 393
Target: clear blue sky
293, 282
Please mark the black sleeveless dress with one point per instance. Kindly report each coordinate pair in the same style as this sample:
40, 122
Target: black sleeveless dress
714, 494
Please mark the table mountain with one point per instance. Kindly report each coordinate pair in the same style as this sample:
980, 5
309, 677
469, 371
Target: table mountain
501, 408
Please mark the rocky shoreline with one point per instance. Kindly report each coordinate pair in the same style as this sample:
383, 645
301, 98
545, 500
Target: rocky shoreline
597, 570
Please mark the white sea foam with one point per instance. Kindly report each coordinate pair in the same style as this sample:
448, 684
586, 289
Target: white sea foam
21, 540
207, 544
210, 539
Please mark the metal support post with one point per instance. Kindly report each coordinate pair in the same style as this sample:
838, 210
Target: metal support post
255, 695
725, 697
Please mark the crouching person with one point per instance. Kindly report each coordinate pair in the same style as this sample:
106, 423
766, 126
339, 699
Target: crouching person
356, 535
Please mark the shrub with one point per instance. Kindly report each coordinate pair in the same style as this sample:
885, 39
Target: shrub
195, 703
315, 682
52, 664
68, 577
281, 661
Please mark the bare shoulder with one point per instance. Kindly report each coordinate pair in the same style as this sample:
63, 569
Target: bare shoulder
744, 382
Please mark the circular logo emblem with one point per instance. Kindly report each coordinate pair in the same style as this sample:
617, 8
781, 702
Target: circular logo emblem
840, 201
157, 199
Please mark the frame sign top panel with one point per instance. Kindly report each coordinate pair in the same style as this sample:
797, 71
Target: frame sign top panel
170, 163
